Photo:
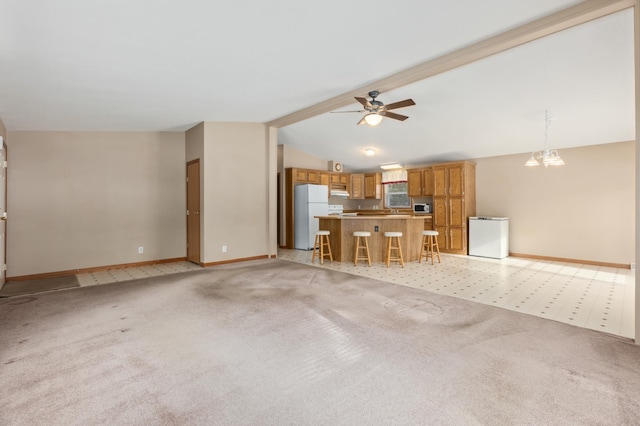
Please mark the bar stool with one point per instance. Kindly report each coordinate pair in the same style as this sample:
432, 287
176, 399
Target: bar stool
429, 243
365, 236
322, 240
391, 238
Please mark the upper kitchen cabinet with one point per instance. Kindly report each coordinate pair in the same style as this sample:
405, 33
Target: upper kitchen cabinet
420, 182
306, 176
325, 179
414, 183
339, 182
339, 179
357, 186
373, 186
449, 179
427, 182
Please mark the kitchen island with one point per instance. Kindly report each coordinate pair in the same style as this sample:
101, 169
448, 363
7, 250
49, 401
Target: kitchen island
342, 228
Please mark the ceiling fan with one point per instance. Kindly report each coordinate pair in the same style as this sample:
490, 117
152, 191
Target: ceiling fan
376, 110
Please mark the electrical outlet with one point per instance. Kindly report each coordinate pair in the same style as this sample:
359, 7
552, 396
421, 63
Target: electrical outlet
140, 250
375, 228
224, 249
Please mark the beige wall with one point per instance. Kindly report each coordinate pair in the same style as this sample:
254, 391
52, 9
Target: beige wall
235, 209
584, 210
292, 157
88, 199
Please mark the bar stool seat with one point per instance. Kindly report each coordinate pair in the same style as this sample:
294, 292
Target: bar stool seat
394, 237
430, 246
364, 236
322, 241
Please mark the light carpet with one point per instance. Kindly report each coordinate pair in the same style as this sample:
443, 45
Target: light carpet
272, 342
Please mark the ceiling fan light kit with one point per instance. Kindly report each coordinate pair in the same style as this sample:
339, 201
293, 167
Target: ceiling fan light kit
375, 110
373, 119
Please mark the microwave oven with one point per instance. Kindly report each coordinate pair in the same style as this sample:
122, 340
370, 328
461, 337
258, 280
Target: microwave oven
421, 208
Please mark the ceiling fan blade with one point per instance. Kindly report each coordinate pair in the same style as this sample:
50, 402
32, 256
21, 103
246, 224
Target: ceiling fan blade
361, 121
364, 102
401, 104
394, 115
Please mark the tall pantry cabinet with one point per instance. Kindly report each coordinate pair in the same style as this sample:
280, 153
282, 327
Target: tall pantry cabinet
454, 200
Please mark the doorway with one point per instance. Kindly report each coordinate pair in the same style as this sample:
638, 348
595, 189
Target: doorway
193, 211
278, 201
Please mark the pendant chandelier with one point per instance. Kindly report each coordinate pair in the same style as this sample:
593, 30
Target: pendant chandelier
548, 157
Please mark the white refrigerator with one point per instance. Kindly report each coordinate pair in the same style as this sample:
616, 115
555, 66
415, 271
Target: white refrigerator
309, 201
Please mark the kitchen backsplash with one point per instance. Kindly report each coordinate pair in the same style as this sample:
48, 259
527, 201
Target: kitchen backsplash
371, 204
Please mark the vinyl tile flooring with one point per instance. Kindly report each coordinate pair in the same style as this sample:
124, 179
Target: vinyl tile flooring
593, 297
134, 273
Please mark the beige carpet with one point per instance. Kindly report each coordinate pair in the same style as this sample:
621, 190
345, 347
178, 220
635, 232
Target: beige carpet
275, 343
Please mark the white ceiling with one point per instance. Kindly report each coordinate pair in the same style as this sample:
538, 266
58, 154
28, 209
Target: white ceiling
160, 65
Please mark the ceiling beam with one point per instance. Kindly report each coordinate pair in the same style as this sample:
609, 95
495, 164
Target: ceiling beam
562, 20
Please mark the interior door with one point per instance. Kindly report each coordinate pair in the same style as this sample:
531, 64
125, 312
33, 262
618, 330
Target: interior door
193, 211
3, 213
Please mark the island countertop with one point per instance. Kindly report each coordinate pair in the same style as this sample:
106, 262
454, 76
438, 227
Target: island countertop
342, 228
349, 216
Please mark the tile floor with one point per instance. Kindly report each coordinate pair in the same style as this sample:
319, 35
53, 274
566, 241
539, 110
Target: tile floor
594, 297
133, 273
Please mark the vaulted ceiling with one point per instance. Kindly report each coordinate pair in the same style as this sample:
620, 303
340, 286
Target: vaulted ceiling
158, 66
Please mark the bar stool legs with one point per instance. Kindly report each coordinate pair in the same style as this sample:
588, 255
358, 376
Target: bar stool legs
364, 235
322, 241
391, 238
430, 246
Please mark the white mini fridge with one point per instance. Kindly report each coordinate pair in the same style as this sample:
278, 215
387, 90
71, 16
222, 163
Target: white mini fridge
309, 201
489, 236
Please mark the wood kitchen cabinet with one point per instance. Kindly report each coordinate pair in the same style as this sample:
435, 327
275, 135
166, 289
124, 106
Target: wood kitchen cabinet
340, 179
454, 200
427, 182
306, 176
356, 191
325, 179
420, 182
373, 185
414, 183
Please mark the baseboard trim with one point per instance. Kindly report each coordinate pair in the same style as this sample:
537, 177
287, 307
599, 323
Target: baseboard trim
241, 259
93, 269
562, 259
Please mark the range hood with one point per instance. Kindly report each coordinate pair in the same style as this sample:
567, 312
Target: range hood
340, 193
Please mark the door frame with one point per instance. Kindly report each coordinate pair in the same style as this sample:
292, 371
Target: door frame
188, 213
3, 269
